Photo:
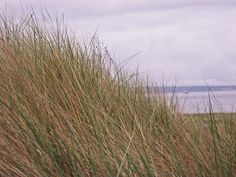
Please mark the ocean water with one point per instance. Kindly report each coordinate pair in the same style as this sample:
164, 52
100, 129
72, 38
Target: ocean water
199, 102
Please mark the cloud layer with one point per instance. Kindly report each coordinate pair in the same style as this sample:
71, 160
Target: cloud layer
192, 40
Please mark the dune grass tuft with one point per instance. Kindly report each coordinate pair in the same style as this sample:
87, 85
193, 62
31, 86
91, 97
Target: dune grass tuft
66, 109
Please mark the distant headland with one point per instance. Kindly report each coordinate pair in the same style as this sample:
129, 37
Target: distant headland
187, 89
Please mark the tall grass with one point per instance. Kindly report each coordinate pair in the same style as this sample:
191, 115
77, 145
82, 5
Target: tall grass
66, 109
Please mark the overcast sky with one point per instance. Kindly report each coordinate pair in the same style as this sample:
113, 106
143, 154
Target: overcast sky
193, 41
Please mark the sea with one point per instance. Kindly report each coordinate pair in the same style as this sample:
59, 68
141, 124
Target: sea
203, 99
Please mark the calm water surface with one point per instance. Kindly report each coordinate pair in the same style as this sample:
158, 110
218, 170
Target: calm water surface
198, 102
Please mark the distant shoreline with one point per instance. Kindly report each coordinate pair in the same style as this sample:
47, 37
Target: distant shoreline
187, 89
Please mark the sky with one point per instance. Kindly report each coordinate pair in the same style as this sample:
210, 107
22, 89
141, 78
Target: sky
186, 42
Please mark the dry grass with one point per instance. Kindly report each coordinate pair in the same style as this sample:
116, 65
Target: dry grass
67, 109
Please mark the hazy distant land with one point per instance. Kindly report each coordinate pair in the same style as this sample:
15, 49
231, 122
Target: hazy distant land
188, 89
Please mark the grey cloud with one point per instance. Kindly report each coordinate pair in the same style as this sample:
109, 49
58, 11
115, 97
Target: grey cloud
91, 8
191, 40
107, 7
191, 47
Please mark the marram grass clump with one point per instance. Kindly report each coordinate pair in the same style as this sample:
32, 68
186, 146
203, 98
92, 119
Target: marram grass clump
66, 109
